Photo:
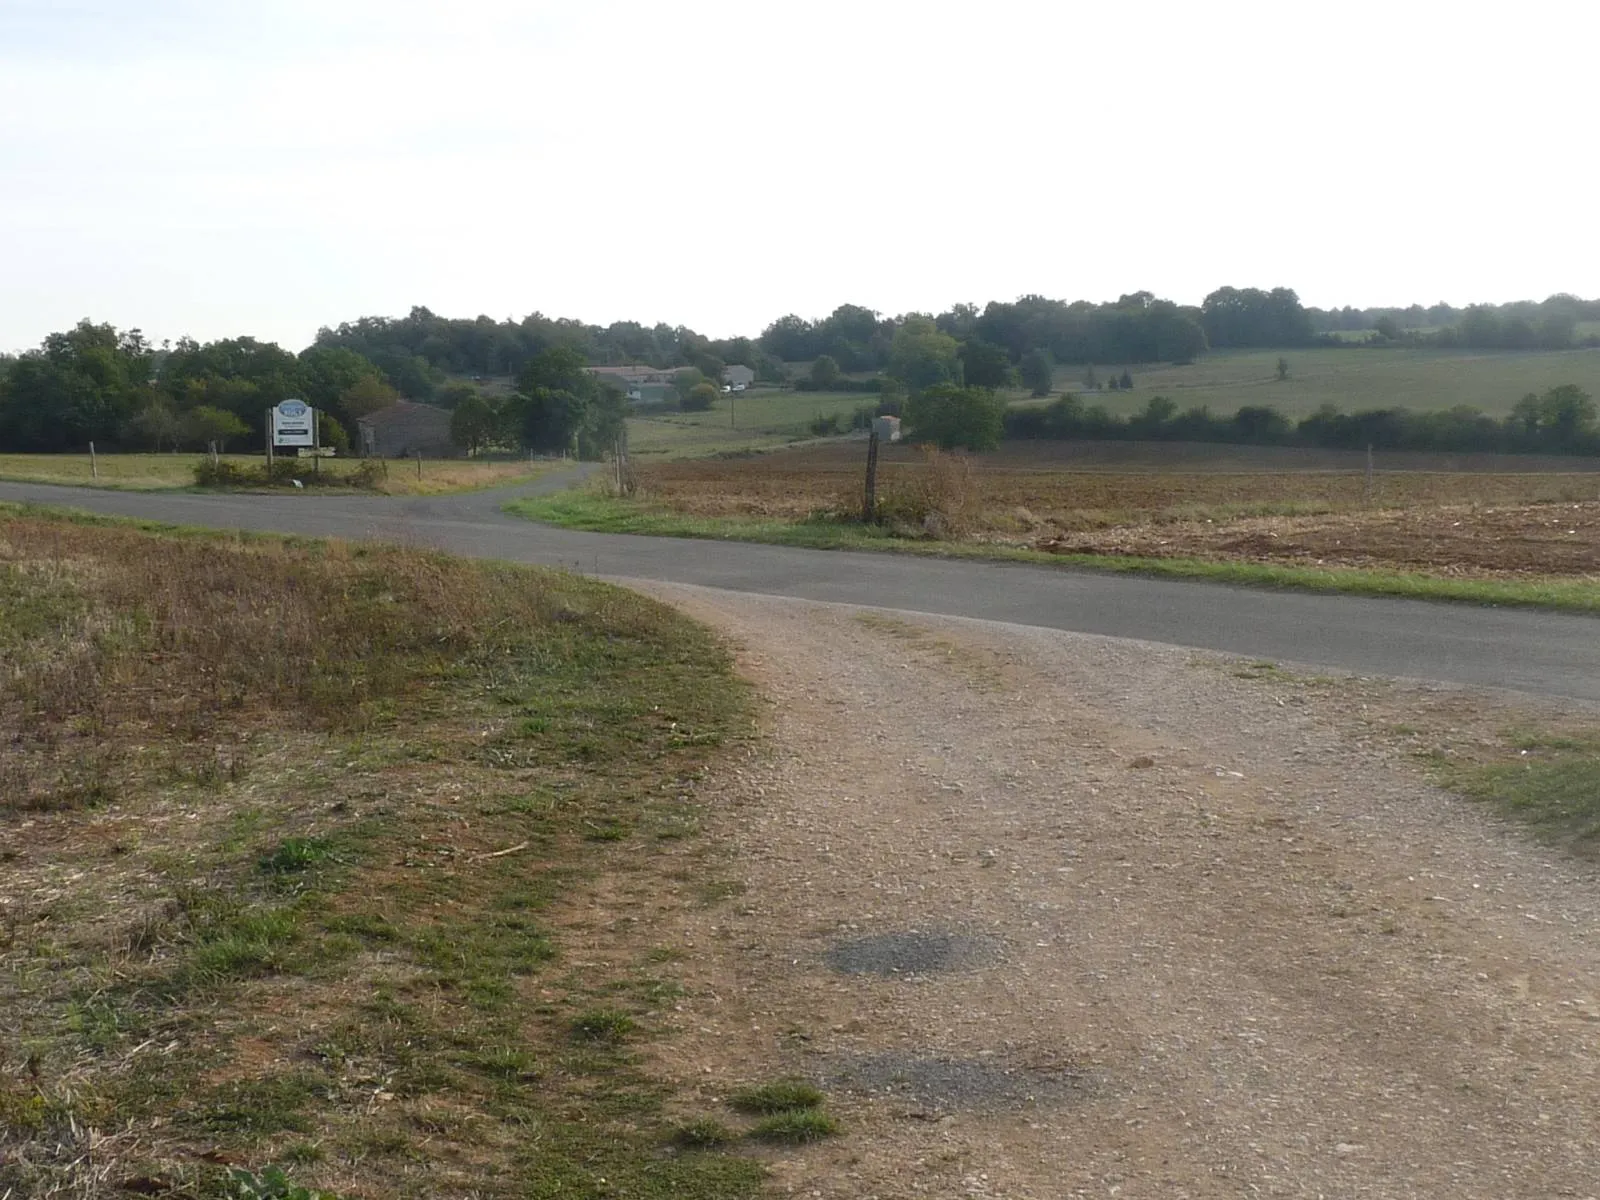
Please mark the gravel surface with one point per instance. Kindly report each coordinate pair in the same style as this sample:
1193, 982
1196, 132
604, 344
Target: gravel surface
1283, 963
934, 1086
913, 952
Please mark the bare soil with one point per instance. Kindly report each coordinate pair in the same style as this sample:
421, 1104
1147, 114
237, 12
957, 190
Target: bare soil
1484, 522
1227, 939
1511, 541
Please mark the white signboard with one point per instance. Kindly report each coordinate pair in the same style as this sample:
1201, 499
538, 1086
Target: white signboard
294, 423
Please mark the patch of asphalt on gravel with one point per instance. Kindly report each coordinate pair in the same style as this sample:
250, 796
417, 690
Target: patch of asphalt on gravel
973, 1085
911, 952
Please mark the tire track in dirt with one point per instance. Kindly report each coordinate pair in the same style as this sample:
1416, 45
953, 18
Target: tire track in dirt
1237, 952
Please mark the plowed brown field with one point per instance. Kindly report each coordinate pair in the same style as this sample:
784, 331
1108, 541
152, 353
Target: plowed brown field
1493, 522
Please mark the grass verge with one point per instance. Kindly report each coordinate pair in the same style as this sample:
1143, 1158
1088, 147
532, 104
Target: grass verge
157, 472
1533, 768
289, 830
1551, 786
588, 510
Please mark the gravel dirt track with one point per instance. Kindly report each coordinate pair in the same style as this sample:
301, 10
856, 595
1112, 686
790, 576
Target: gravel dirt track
1233, 944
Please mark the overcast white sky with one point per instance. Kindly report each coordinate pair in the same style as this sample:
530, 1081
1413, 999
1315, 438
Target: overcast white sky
213, 168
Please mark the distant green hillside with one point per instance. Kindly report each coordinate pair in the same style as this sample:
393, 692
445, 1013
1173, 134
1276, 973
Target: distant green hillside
753, 420
1349, 379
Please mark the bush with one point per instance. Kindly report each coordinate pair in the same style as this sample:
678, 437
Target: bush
957, 417
332, 434
935, 499
700, 398
284, 473
824, 426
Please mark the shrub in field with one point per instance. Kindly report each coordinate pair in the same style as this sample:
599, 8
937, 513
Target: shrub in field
957, 417
937, 498
824, 426
700, 398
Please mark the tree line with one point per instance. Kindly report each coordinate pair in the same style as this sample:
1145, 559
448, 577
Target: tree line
1520, 325
94, 383
1562, 420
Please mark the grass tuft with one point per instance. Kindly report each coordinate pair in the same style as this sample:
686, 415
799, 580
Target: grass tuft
294, 855
703, 1134
607, 1025
781, 1096
795, 1126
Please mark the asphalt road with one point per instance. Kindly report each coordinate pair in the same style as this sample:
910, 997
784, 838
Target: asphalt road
1548, 653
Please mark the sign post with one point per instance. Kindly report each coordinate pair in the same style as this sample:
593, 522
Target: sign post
291, 423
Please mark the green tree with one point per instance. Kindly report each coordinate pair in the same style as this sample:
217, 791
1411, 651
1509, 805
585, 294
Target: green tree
1038, 371
331, 433
605, 423
472, 423
452, 394
82, 385
1126, 381
921, 357
686, 380
1566, 412
1526, 415
366, 395
1158, 410
1283, 369
701, 397
825, 371
560, 368
326, 371
955, 417
1091, 381
985, 365
156, 425
546, 419
208, 424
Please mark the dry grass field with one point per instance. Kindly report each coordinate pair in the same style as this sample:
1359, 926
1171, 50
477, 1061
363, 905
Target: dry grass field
293, 836
152, 472
1488, 517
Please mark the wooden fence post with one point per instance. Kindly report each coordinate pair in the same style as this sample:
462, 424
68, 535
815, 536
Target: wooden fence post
870, 510
94, 466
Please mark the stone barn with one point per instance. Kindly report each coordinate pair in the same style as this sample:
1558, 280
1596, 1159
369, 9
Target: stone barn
405, 429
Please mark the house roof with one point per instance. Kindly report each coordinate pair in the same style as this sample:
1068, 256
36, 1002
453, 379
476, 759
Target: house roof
631, 372
401, 411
